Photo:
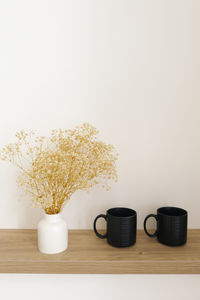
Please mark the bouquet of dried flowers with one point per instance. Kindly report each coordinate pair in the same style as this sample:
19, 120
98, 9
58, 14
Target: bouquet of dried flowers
55, 167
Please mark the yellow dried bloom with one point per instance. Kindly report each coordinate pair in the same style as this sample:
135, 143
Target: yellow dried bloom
55, 167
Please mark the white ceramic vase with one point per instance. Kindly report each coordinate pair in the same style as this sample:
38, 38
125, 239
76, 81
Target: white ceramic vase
52, 234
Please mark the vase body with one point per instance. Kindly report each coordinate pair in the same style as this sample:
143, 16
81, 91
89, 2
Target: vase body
52, 234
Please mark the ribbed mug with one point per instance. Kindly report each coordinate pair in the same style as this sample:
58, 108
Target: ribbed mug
121, 226
171, 226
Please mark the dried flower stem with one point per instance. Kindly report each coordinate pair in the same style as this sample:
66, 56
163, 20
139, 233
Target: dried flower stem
53, 168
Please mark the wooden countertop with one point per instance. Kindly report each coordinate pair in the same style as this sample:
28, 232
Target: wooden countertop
88, 254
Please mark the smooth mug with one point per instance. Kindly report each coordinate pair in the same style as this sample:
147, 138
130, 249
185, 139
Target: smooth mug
121, 226
171, 226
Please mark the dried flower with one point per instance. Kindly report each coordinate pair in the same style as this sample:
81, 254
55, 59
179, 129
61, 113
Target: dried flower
55, 167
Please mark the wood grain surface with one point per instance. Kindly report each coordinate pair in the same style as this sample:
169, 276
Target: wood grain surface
88, 254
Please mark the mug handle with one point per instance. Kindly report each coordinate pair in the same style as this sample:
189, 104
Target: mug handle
101, 236
145, 228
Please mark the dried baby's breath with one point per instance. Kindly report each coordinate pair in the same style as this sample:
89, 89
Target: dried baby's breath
55, 167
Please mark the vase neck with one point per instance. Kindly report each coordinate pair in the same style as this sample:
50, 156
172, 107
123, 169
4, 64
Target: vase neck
52, 218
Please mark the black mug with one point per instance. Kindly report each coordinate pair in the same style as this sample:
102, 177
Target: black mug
121, 226
171, 226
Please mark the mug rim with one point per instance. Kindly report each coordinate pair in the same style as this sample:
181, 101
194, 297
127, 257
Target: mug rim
183, 211
130, 210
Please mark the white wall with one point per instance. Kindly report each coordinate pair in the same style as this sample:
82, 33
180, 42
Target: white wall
99, 287
129, 67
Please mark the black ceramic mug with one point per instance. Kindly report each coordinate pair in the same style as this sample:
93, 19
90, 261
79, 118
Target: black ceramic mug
171, 226
121, 226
